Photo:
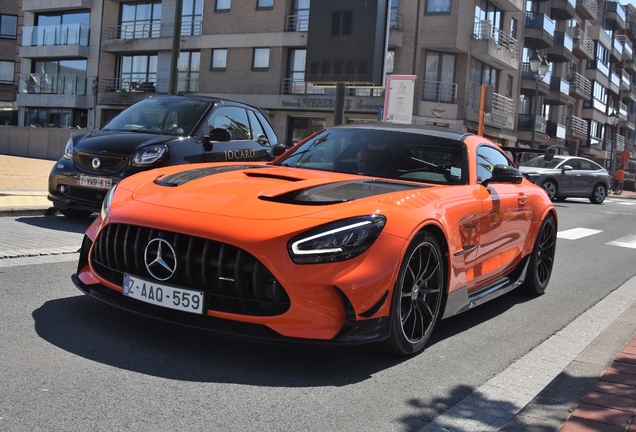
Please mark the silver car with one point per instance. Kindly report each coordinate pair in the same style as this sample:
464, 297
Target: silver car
568, 176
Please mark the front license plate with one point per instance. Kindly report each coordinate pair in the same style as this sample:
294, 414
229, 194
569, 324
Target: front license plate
96, 182
160, 294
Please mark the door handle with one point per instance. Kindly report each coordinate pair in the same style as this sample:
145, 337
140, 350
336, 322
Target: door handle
521, 198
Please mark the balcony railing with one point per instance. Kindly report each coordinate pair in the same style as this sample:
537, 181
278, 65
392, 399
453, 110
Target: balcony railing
396, 20
590, 5
141, 84
51, 35
502, 105
624, 76
562, 39
582, 40
526, 73
540, 21
525, 122
484, 30
296, 23
621, 109
437, 91
580, 83
616, 80
612, 6
599, 65
627, 44
298, 87
576, 125
134, 31
38, 83
618, 140
560, 85
187, 85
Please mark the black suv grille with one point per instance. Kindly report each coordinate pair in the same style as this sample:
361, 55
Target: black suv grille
233, 280
108, 163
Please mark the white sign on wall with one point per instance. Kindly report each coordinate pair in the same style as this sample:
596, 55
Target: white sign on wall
398, 99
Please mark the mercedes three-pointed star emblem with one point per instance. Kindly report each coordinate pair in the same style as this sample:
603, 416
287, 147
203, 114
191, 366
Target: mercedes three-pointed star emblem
160, 258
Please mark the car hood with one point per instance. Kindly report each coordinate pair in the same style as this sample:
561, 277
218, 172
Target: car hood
258, 191
118, 142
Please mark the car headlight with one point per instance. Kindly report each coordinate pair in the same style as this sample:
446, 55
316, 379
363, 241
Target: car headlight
68, 150
149, 155
336, 241
107, 201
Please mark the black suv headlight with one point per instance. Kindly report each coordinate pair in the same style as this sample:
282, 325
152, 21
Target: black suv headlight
149, 155
68, 150
336, 241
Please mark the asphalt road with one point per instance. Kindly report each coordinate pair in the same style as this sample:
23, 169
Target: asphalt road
69, 363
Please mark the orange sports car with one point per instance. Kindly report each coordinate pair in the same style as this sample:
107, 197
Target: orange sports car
359, 233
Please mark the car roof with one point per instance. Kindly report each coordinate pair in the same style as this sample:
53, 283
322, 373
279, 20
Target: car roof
211, 99
422, 130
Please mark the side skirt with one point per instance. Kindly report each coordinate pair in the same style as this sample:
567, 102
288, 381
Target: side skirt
460, 300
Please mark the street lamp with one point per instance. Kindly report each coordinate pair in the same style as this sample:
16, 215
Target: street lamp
539, 67
613, 121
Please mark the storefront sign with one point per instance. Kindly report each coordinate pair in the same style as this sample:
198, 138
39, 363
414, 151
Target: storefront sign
369, 104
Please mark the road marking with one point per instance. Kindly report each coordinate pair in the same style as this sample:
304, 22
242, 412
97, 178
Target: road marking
627, 241
495, 403
576, 233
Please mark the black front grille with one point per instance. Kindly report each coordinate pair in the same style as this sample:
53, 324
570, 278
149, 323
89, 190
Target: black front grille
108, 163
233, 280
85, 193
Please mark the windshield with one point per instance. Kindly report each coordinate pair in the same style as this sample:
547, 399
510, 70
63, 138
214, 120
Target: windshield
383, 153
173, 116
538, 162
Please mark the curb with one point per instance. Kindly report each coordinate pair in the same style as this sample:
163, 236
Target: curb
27, 211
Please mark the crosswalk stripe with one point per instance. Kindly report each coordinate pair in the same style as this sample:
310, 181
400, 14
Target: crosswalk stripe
577, 233
627, 241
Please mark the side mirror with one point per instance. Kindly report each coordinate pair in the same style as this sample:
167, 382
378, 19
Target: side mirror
504, 174
565, 168
549, 153
276, 150
216, 135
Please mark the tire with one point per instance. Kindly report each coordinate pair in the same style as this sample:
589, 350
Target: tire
418, 295
542, 258
551, 188
598, 194
75, 214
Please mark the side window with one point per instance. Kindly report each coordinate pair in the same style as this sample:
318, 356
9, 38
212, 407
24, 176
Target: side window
588, 166
257, 128
575, 164
234, 120
487, 158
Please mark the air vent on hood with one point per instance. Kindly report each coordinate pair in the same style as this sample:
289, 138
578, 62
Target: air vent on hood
183, 177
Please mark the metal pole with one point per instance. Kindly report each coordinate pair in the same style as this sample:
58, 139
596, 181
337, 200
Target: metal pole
482, 110
536, 103
176, 48
338, 117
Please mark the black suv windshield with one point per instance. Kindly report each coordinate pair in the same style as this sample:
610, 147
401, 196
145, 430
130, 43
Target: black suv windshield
174, 116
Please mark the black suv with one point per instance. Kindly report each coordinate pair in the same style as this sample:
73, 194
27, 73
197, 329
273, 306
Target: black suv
155, 132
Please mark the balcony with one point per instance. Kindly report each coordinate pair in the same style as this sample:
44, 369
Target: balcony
580, 87
508, 5
628, 48
440, 92
297, 23
561, 52
598, 71
149, 37
576, 128
494, 47
124, 91
48, 5
630, 122
583, 45
559, 92
599, 34
617, 140
290, 86
614, 84
539, 30
630, 66
395, 30
525, 124
621, 109
61, 90
134, 31
629, 96
69, 40
625, 81
556, 132
587, 9
562, 9
529, 82
614, 15
616, 53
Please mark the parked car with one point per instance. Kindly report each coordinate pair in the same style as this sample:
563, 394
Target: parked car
359, 233
156, 132
568, 176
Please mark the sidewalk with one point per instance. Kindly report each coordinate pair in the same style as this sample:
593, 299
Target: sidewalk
609, 406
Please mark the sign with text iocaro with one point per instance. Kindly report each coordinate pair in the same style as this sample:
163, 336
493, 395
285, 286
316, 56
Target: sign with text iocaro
398, 99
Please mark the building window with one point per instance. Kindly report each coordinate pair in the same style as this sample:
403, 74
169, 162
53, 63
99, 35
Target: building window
189, 71
7, 71
138, 73
219, 59
509, 84
261, 59
223, 5
140, 20
8, 26
192, 18
57, 77
299, 18
295, 82
264, 4
439, 77
438, 6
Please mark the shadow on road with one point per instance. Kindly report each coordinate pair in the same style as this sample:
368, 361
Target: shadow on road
58, 223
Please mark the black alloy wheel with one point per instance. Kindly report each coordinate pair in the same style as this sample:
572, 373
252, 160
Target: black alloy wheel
542, 258
418, 295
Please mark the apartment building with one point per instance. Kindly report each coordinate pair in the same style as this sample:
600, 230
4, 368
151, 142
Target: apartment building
9, 62
108, 54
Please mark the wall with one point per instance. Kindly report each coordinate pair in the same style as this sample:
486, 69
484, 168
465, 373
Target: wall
40, 143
